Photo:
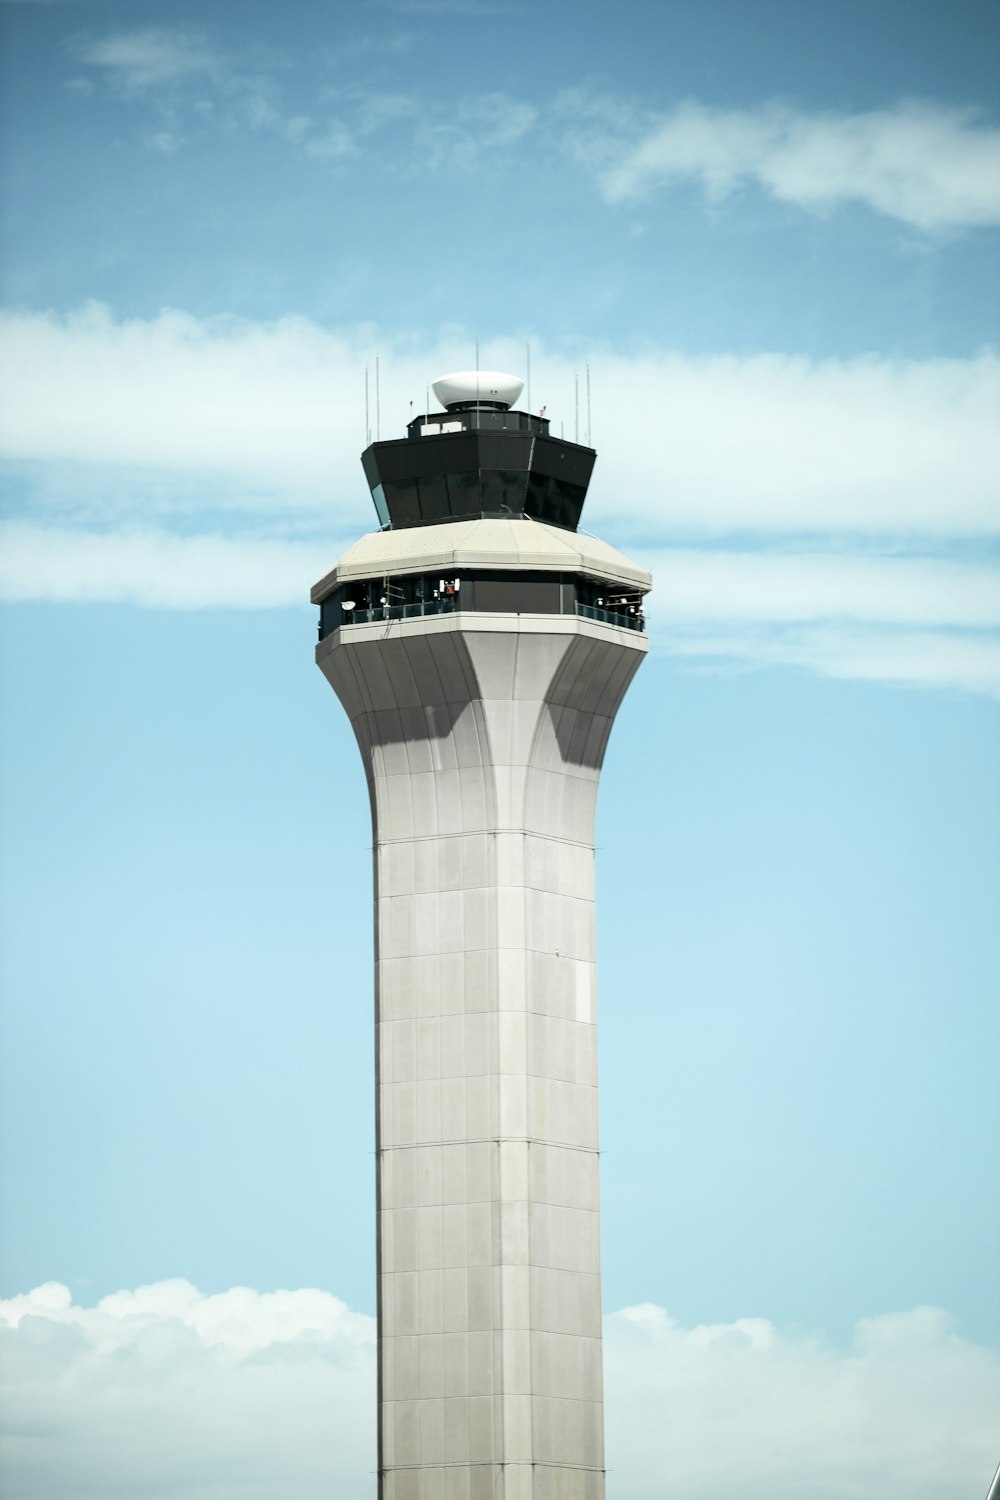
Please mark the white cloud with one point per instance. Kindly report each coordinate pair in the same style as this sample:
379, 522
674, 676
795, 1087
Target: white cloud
926, 165
240, 1396
741, 1408
703, 587
701, 446
469, 129
183, 463
775, 443
156, 569
260, 406
968, 661
917, 621
251, 1396
151, 56
187, 84
921, 622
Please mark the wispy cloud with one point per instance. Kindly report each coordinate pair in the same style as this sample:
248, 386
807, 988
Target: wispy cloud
156, 569
933, 167
718, 586
462, 135
188, 83
968, 661
917, 622
923, 622
151, 56
244, 1393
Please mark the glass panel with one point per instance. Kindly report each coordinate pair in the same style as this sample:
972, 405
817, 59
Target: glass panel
518, 596
515, 486
381, 509
329, 615
563, 461
508, 450
502, 490
463, 493
433, 497
402, 503
565, 502
534, 501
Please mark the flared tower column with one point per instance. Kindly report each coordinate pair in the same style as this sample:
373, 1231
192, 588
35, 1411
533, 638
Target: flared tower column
482, 730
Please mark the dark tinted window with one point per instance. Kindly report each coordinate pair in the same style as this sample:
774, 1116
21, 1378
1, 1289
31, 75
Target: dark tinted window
518, 596
504, 451
402, 501
430, 455
563, 462
478, 472
433, 490
565, 502
329, 614
502, 490
463, 492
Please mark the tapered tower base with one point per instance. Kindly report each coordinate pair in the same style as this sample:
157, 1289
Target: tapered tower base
481, 664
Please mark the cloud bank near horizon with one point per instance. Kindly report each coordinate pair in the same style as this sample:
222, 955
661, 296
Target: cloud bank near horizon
247, 1394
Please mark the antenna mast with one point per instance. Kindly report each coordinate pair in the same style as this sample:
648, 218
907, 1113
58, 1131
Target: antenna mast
378, 403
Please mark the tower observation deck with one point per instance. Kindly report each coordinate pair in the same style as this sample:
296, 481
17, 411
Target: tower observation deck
481, 646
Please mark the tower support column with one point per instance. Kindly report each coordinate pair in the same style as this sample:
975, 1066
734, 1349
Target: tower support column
482, 738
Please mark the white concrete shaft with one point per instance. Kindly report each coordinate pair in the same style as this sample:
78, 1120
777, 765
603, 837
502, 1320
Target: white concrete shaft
483, 737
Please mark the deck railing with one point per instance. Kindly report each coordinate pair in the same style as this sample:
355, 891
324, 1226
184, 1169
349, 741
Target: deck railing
450, 605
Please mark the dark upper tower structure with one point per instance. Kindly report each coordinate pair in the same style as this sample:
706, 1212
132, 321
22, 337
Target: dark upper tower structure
479, 457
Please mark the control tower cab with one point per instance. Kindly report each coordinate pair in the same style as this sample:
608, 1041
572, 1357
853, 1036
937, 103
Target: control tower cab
460, 471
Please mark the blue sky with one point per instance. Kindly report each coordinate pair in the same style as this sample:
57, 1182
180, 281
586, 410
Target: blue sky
770, 231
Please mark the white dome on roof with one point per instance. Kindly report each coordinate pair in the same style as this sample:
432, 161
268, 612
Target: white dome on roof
477, 385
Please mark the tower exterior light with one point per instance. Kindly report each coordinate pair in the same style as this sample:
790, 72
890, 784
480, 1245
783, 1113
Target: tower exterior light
481, 646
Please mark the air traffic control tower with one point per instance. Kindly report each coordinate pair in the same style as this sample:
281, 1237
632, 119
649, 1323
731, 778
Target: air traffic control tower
481, 646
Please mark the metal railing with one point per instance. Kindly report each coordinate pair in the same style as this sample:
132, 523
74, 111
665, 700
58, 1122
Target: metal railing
610, 616
450, 605
401, 611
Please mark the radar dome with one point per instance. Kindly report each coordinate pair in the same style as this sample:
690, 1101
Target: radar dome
488, 387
